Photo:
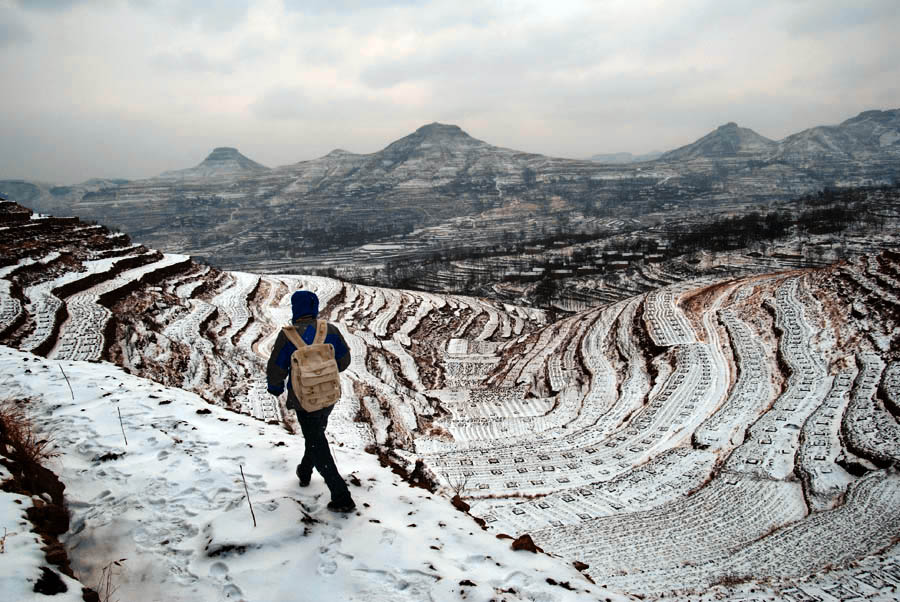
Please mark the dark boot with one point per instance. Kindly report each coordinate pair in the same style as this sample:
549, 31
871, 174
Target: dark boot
304, 478
318, 455
342, 506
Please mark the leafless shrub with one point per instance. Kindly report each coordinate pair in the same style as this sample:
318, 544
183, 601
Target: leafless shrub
459, 485
107, 587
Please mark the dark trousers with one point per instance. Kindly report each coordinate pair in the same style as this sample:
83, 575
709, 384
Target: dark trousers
318, 455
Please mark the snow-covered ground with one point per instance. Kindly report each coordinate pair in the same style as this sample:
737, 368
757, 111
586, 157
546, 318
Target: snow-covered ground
727, 437
172, 503
21, 557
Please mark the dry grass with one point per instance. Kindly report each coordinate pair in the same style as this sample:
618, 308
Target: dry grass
107, 587
21, 441
3, 540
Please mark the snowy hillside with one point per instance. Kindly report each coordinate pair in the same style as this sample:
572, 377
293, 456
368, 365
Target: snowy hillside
172, 503
724, 438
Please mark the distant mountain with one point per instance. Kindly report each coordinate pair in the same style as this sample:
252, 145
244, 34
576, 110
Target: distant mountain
437, 159
223, 160
455, 191
728, 140
434, 139
98, 183
870, 132
624, 158
21, 191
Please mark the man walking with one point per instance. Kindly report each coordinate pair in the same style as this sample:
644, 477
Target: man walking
305, 311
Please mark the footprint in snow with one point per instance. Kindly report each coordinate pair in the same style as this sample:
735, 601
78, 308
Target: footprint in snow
232, 591
202, 466
218, 569
114, 474
234, 459
86, 448
237, 502
387, 578
100, 495
327, 566
388, 537
328, 553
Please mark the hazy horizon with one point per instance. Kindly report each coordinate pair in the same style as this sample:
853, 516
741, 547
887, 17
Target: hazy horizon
132, 88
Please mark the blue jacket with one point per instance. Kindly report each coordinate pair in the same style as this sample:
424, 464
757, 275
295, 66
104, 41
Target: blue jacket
305, 310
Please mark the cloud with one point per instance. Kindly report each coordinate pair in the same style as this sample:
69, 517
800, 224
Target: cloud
855, 72
317, 7
192, 61
390, 72
825, 16
216, 16
281, 103
49, 5
471, 55
291, 79
396, 18
256, 48
12, 30
293, 103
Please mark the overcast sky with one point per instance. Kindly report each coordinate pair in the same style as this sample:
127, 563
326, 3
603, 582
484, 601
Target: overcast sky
131, 88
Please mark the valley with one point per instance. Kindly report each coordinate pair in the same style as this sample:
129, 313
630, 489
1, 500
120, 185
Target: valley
731, 434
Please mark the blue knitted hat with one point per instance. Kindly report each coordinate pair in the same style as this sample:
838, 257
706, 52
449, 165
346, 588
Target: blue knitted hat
304, 303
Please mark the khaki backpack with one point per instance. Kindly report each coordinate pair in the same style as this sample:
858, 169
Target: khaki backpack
314, 371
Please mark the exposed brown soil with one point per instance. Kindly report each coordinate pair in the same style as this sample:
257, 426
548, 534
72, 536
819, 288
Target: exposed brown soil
282, 290
49, 518
420, 476
524, 542
697, 302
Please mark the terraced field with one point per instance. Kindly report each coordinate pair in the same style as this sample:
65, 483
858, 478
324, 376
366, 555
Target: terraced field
714, 438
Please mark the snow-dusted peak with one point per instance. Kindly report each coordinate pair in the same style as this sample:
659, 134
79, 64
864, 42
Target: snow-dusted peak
441, 129
339, 152
429, 138
887, 118
223, 160
869, 132
729, 140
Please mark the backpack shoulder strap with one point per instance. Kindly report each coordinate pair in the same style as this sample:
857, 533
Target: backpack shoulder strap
291, 333
321, 332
